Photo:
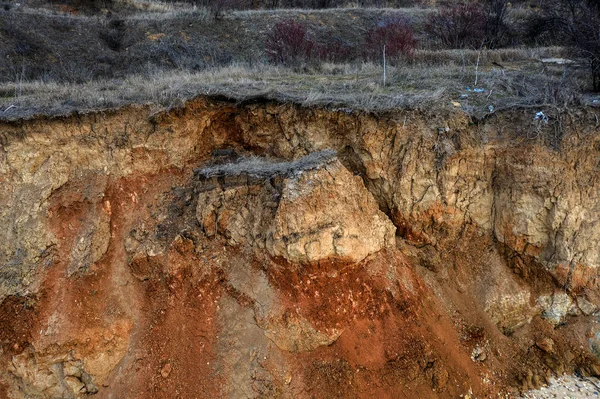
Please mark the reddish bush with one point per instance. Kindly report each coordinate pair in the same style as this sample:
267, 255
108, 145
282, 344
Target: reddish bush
395, 34
458, 26
288, 42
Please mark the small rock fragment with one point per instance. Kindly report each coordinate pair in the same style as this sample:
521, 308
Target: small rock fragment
288, 378
586, 307
478, 354
166, 370
75, 384
556, 307
546, 344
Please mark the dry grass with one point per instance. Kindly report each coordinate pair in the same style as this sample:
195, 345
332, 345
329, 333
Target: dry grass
160, 11
470, 57
165, 53
150, 36
291, 12
348, 86
41, 44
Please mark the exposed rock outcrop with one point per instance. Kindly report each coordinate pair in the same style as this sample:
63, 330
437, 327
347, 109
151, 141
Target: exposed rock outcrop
70, 369
431, 250
543, 208
303, 215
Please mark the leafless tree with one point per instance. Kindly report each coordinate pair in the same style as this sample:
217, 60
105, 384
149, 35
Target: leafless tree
496, 28
575, 23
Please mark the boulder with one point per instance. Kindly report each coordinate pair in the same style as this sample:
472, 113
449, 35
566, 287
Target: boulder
304, 216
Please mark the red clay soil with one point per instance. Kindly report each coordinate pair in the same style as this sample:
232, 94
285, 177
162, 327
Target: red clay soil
165, 333
392, 346
17, 320
175, 315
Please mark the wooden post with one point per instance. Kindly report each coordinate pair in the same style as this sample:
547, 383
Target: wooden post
384, 67
477, 69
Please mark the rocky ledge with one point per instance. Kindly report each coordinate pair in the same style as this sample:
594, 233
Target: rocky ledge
304, 211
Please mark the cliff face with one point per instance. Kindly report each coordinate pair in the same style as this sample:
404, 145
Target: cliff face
312, 253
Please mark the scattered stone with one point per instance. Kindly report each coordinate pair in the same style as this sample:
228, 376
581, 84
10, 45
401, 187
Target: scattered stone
586, 307
478, 354
571, 387
546, 344
166, 370
555, 307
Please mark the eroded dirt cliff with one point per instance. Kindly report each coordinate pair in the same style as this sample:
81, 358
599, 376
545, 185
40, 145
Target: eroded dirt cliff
270, 250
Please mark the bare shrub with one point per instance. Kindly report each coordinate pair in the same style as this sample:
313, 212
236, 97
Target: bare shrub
289, 42
576, 24
319, 4
114, 34
496, 28
219, 7
25, 44
395, 34
459, 26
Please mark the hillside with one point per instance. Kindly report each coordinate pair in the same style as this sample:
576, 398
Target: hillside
189, 213
214, 251
55, 63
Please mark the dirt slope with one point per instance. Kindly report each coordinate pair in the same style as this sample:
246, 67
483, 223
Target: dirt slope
423, 255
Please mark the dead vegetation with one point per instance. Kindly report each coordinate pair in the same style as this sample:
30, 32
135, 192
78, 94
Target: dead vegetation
348, 86
55, 63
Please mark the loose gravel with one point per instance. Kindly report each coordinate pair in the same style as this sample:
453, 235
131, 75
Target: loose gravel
567, 387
